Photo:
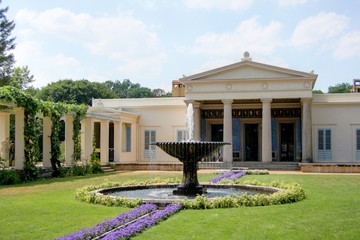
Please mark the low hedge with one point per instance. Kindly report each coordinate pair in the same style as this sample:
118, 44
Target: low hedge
87, 194
289, 193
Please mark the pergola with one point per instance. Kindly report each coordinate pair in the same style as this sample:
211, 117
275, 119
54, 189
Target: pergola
87, 134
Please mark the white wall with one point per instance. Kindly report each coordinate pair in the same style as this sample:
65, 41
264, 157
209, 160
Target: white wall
164, 115
341, 114
165, 121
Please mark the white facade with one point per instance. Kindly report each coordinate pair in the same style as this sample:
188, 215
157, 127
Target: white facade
267, 114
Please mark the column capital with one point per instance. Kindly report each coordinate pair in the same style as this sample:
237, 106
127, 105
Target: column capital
266, 100
5, 113
306, 100
227, 101
194, 103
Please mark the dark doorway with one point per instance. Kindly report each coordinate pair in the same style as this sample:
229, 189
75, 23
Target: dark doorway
287, 142
111, 142
252, 142
217, 132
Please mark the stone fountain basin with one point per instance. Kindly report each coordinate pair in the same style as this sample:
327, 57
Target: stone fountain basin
162, 194
189, 150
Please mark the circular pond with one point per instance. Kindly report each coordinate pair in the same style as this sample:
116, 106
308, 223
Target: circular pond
164, 193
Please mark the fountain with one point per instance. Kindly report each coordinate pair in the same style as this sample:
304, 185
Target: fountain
189, 153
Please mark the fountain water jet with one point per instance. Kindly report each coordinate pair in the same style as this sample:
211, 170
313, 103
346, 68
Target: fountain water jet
189, 153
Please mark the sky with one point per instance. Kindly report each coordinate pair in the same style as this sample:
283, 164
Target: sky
153, 42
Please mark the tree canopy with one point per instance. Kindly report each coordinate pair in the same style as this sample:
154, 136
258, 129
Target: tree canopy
75, 92
21, 77
340, 88
7, 43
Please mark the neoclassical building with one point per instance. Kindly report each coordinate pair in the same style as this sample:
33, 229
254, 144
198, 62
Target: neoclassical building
268, 114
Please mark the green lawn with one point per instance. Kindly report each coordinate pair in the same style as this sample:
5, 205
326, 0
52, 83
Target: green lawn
45, 210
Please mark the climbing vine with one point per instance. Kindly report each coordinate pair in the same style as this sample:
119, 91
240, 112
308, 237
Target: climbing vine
55, 111
79, 114
31, 107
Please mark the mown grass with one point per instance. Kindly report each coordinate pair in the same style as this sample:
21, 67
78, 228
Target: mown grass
47, 209
331, 211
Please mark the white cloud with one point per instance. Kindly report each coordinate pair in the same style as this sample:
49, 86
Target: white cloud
248, 36
290, 2
348, 46
121, 39
143, 67
216, 4
27, 51
60, 60
315, 29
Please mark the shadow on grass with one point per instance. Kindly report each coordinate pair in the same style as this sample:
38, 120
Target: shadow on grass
45, 181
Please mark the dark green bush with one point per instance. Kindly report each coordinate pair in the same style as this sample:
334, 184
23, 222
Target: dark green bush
8, 177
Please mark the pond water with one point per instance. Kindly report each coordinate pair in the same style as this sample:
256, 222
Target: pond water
153, 193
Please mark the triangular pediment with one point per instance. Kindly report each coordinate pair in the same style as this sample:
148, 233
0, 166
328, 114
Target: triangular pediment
248, 70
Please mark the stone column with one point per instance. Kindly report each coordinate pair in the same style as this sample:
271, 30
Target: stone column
47, 123
197, 121
104, 141
227, 149
19, 138
5, 137
266, 130
69, 142
306, 130
87, 138
117, 141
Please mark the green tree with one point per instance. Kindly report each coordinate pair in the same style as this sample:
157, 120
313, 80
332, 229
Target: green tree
7, 44
76, 92
121, 89
32, 91
340, 88
317, 91
21, 77
141, 92
158, 92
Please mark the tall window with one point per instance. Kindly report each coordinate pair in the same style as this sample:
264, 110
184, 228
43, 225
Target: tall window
357, 153
126, 138
182, 135
149, 151
324, 144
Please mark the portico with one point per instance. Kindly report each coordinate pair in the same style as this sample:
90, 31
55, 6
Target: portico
262, 110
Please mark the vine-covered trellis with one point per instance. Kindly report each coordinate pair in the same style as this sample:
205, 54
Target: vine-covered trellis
54, 111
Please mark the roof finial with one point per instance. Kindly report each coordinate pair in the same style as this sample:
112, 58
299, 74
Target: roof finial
246, 56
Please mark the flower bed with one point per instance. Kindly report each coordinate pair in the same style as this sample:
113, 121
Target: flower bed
227, 175
138, 226
289, 193
87, 193
108, 225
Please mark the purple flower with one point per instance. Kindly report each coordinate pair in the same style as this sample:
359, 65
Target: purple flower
111, 224
227, 175
218, 178
139, 225
237, 175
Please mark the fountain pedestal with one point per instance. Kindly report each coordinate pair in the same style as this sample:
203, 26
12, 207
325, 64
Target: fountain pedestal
189, 153
190, 184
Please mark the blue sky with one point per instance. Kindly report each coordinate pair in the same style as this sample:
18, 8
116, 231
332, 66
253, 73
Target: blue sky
153, 42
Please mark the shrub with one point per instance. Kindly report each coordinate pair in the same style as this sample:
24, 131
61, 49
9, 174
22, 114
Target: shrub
8, 177
289, 193
87, 194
